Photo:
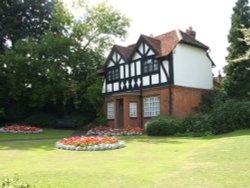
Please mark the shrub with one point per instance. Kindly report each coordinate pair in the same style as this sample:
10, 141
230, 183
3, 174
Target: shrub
80, 119
15, 182
211, 100
41, 120
230, 116
163, 126
197, 125
2, 113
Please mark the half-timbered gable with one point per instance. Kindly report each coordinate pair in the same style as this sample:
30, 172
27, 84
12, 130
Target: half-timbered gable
166, 74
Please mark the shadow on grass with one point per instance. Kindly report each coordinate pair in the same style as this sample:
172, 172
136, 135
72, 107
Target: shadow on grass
46, 145
49, 145
242, 132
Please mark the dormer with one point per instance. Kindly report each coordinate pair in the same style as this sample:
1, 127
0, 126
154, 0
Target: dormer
145, 47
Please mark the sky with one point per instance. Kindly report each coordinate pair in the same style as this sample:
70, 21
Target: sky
211, 19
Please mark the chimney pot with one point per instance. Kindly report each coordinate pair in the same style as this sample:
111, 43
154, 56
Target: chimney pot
191, 32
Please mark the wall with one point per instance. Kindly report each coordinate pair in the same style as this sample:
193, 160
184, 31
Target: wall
163, 92
186, 100
192, 67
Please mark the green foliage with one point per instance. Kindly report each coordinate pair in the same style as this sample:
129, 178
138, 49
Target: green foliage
211, 99
58, 69
197, 125
101, 119
237, 81
240, 19
14, 182
230, 116
163, 126
21, 19
80, 118
2, 113
99, 26
42, 120
16, 112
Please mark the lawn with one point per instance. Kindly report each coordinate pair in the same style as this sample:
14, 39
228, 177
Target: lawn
48, 133
215, 161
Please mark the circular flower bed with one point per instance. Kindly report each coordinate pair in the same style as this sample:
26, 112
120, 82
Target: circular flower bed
20, 129
102, 130
90, 143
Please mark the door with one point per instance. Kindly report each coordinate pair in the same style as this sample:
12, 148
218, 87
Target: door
120, 114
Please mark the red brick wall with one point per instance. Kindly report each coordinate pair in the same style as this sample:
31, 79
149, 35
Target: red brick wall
163, 93
185, 100
127, 121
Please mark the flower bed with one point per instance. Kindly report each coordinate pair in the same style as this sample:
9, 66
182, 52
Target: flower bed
21, 129
90, 143
102, 130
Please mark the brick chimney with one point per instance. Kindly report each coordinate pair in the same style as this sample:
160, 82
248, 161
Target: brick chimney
219, 77
191, 32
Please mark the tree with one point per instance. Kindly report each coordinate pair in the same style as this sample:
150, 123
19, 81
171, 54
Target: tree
236, 83
23, 18
57, 70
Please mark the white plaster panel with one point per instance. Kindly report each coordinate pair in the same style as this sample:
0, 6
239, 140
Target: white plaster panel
110, 64
166, 65
155, 79
121, 72
109, 87
136, 56
126, 71
122, 61
163, 76
114, 57
118, 57
192, 67
145, 80
116, 86
138, 68
132, 69
146, 48
151, 52
104, 86
141, 48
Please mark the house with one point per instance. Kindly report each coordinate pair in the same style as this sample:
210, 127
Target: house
166, 74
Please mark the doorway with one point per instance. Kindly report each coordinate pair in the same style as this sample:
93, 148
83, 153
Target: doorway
120, 114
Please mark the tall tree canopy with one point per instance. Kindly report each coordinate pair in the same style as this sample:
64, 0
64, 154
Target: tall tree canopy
237, 83
22, 18
56, 71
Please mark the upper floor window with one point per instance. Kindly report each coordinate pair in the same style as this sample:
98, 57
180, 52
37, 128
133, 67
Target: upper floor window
150, 65
113, 74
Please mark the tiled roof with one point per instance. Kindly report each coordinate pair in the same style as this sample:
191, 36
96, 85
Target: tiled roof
124, 51
153, 42
163, 44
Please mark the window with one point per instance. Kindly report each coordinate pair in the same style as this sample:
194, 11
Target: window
110, 110
151, 106
113, 74
132, 109
150, 65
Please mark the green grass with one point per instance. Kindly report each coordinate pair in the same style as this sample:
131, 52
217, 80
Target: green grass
48, 133
215, 161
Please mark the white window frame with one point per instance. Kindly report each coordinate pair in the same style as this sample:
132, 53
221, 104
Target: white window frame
110, 110
151, 106
133, 109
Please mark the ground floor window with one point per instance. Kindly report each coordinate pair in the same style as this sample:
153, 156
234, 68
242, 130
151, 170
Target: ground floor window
151, 106
132, 109
110, 110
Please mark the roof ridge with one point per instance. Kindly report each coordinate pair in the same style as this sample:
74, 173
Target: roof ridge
179, 34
